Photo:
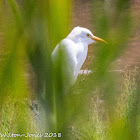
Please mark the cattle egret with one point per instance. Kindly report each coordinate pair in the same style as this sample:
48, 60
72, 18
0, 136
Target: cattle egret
70, 54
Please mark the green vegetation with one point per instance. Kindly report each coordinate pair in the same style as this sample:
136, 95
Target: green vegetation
98, 123
102, 106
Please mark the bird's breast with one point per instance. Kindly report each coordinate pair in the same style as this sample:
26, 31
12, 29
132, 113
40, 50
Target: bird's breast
82, 50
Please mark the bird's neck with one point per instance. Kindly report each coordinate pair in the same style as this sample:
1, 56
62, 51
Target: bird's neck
82, 50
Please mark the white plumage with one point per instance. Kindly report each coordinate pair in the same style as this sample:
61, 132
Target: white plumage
70, 54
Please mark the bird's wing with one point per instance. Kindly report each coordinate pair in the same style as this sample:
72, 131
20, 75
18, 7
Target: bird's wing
64, 58
66, 50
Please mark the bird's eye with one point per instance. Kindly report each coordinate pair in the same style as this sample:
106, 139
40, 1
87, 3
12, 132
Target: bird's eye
88, 35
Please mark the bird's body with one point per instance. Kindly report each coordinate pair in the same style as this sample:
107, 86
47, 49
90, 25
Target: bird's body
70, 54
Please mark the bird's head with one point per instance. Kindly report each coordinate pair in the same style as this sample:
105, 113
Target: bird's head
80, 34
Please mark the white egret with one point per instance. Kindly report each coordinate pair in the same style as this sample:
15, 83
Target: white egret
70, 54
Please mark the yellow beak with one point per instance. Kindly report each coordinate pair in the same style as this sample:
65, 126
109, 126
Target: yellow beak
98, 39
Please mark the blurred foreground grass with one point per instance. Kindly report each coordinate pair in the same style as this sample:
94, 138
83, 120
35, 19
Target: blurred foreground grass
95, 123
122, 123
105, 105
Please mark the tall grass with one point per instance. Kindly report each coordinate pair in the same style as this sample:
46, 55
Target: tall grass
98, 123
31, 91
